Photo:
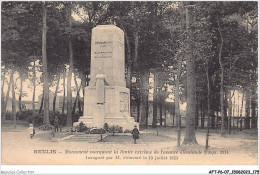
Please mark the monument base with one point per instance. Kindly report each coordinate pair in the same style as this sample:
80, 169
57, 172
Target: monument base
126, 125
115, 110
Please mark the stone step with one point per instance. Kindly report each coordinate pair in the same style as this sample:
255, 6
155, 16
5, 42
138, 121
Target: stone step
82, 137
85, 136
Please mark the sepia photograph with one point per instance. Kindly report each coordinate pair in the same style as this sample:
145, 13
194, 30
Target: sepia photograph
129, 83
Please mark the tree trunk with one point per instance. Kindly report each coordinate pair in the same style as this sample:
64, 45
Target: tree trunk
64, 91
77, 96
147, 107
197, 114
45, 71
190, 137
241, 109
212, 121
209, 107
21, 93
79, 100
69, 92
13, 100
56, 91
2, 93
234, 106
129, 75
177, 89
154, 124
144, 86
40, 110
34, 87
229, 111
177, 102
138, 109
3, 83
135, 63
74, 106
83, 82
225, 110
222, 80
7, 95
129, 62
238, 98
79, 106
165, 118
136, 48
160, 107
229, 94
247, 122
202, 117
142, 114
253, 106
218, 119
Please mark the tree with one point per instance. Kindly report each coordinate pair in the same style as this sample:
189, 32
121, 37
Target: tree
7, 96
46, 121
2, 90
189, 137
177, 101
34, 87
64, 91
13, 99
56, 91
155, 86
222, 77
69, 79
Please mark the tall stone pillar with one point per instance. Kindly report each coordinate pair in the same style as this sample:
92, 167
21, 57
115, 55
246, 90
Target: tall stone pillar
107, 54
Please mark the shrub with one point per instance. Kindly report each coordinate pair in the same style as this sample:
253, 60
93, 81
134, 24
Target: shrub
75, 117
37, 119
82, 127
27, 115
127, 131
23, 115
106, 127
115, 129
9, 115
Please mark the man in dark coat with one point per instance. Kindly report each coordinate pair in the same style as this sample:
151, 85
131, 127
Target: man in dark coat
56, 124
135, 133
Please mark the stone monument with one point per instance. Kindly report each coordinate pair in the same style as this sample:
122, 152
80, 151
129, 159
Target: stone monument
107, 100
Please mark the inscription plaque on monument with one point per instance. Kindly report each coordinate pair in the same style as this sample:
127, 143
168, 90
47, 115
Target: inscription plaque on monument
103, 49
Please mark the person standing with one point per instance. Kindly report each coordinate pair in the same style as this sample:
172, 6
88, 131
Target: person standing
135, 133
56, 124
31, 130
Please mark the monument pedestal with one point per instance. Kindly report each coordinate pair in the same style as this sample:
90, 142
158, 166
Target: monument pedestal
115, 110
